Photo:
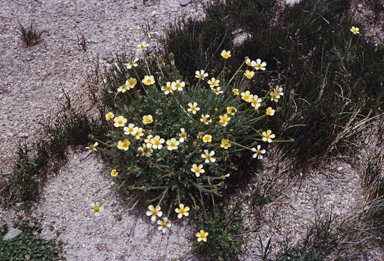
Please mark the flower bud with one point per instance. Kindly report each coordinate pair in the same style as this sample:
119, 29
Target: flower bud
171, 56
90, 136
196, 208
148, 202
119, 218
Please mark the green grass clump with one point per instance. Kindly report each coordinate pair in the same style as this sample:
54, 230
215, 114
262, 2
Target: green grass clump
30, 35
331, 85
28, 245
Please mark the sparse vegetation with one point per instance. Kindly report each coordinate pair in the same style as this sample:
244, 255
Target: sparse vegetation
29, 35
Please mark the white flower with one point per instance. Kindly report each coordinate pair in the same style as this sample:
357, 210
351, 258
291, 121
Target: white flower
204, 118
201, 74
260, 65
131, 129
168, 88
193, 107
258, 152
208, 156
132, 63
96, 209
183, 135
143, 45
172, 144
153, 212
164, 224
178, 85
156, 142
92, 147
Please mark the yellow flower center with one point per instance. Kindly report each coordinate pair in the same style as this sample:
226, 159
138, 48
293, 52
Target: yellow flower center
193, 108
197, 170
154, 212
131, 63
157, 142
267, 136
96, 208
183, 135
172, 144
177, 85
258, 66
91, 147
124, 87
207, 138
201, 76
205, 119
249, 63
208, 156
164, 224
182, 211
216, 91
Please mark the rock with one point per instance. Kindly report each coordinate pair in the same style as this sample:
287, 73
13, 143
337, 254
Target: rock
185, 2
10, 134
239, 39
12, 233
61, 95
153, 13
110, 60
23, 135
360, 5
106, 55
28, 58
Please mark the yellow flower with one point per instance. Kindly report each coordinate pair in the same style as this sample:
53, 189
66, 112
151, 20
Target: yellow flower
247, 96
157, 141
148, 80
120, 121
168, 88
224, 120
132, 63
231, 110
147, 119
164, 224
172, 144
249, 74
202, 235
197, 169
260, 65
213, 83
123, 145
139, 133
270, 111
96, 209
153, 212
235, 91
183, 135
143, 45
182, 211
256, 102
109, 116
145, 149
199, 136
114, 173
268, 136
217, 91
355, 30
193, 107
178, 85
274, 97
205, 119
207, 138
226, 54
225, 143
131, 82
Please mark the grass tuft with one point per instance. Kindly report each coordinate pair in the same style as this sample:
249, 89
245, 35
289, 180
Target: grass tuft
29, 35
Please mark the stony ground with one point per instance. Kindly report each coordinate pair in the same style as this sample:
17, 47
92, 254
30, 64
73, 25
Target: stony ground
32, 81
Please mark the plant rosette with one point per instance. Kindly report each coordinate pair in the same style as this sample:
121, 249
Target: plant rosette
176, 139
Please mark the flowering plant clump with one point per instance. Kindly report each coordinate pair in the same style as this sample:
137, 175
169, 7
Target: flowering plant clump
176, 140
